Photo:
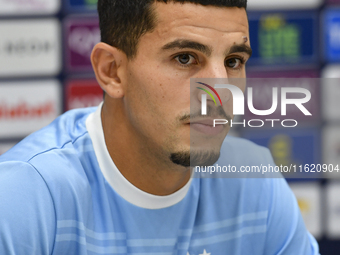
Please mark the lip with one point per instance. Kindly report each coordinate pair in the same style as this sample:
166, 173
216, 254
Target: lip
208, 122
206, 126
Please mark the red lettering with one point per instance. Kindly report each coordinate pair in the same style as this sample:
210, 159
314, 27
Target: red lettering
25, 111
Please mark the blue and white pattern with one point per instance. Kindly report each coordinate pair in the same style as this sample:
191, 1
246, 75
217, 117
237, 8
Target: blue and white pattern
60, 193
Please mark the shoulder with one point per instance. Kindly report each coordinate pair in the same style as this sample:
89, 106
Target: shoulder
14, 173
67, 128
56, 154
27, 214
20, 180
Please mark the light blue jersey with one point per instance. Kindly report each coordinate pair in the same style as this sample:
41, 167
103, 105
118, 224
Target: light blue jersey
60, 193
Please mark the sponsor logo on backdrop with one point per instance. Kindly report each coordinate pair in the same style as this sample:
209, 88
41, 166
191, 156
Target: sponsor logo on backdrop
82, 34
82, 5
334, 35
27, 106
308, 196
283, 38
331, 94
91, 2
278, 39
297, 148
331, 27
24, 110
283, 4
333, 210
312, 73
29, 47
331, 147
83, 93
31, 7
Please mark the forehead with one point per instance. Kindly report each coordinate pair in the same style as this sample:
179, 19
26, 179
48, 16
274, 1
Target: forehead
195, 18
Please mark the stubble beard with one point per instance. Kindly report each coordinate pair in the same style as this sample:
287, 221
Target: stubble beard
192, 158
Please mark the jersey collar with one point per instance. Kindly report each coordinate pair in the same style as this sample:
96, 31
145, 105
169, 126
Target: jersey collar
116, 180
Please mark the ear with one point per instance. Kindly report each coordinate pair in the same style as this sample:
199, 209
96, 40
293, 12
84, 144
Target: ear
109, 65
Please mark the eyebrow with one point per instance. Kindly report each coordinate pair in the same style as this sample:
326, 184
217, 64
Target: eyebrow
207, 50
240, 48
187, 44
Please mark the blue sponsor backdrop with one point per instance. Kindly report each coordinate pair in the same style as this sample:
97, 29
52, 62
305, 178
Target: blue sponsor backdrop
292, 147
331, 34
284, 38
80, 5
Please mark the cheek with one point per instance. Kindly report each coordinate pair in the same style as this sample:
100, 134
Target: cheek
158, 92
145, 101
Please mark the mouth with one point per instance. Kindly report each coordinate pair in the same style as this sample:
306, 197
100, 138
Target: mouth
206, 126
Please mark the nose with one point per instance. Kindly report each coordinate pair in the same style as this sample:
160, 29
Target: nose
214, 70
209, 76
207, 92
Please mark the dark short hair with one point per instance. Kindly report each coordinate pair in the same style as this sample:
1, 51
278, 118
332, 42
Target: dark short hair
123, 22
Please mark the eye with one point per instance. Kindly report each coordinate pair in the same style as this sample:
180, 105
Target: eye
185, 59
234, 63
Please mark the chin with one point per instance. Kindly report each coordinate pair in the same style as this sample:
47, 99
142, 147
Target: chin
204, 158
195, 158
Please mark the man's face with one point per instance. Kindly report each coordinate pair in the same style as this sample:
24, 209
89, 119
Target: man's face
189, 41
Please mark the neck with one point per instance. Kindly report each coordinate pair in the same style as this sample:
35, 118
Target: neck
141, 163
